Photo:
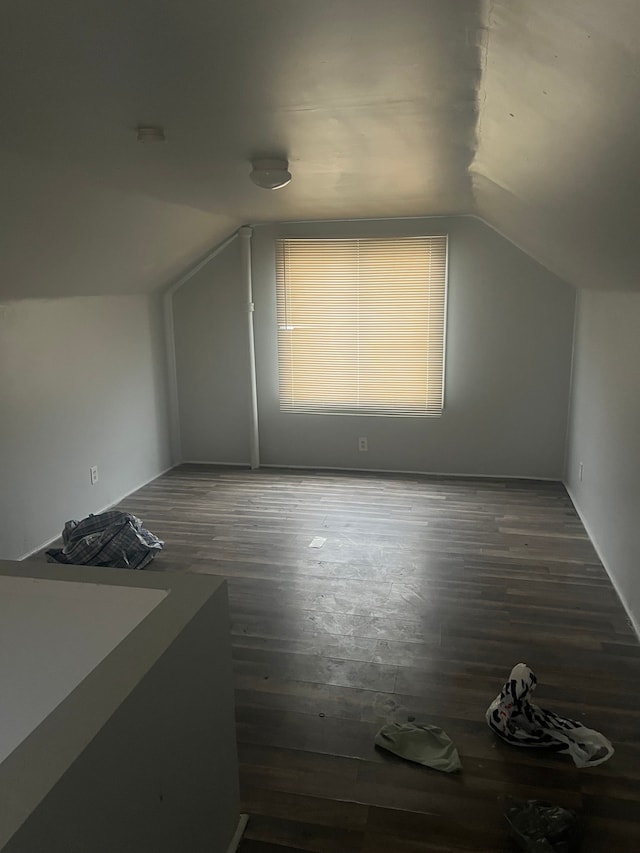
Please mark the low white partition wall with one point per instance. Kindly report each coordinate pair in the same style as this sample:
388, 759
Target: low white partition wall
117, 725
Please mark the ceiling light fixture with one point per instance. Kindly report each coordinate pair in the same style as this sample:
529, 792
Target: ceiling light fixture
148, 133
270, 174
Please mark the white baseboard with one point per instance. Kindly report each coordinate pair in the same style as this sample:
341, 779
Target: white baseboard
632, 621
371, 470
216, 464
237, 836
135, 489
40, 547
414, 473
97, 512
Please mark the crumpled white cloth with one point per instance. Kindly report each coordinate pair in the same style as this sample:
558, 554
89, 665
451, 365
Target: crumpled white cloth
517, 720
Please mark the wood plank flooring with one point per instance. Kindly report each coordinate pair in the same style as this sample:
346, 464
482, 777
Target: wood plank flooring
425, 594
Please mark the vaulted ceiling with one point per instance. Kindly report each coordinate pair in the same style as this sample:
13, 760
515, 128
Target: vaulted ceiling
523, 113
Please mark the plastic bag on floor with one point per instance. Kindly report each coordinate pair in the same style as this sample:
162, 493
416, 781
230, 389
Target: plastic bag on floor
518, 721
540, 827
115, 539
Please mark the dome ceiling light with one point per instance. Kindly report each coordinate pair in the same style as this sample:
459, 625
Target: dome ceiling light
270, 174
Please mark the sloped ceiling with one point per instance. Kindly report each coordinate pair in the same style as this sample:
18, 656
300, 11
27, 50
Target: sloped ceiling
523, 113
557, 168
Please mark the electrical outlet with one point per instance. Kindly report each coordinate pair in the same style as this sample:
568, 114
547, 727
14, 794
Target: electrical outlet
363, 444
580, 470
93, 473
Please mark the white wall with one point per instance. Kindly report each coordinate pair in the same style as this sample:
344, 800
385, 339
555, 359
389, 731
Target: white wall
604, 434
210, 326
52, 635
141, 756
82, 383
510, 325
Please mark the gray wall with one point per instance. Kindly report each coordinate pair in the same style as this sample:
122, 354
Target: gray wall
509, 334
82, 383
211, 338
509, 328
604, 434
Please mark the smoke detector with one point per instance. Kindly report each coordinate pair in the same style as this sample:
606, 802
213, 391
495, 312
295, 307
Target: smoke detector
270, 174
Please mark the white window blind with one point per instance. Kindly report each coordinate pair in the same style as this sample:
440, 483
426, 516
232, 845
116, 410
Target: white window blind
361, 325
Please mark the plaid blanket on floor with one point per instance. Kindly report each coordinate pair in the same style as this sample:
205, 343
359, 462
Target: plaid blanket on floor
113, 538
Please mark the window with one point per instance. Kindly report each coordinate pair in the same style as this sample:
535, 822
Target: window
361, 325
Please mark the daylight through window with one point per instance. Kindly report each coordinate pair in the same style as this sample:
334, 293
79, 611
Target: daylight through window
361, 325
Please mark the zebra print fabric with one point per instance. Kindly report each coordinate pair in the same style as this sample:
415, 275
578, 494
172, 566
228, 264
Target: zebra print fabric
517, 720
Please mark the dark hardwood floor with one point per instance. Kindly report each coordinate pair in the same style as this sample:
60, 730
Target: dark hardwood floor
425, 594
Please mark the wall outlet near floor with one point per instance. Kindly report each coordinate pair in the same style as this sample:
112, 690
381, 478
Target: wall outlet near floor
580, 470
363, 444
93, 473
